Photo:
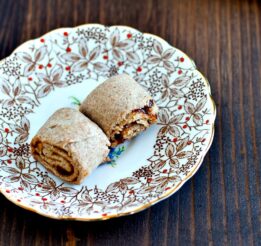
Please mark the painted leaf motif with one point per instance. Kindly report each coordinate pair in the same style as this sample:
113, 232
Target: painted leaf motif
189, 107
163, 131
28, 69
17, 88
170, 150
184, 154
40, 54
165, 95
153, 59
10, 170
182, 144
71, 57
176, 119
50, 182
44, 77
174, 131
165, 80
197, 119
95, 53
3, 151
21, 138
44, 91
115, 37
181, 81
68, 191
20, 162
126, 44
24, 184
159, 180
130, 180
86, 197
133, 57
163, 116
159, 165
167, 54
25, 57
79, 66
169, 66
1, 137
176, 93
146, 189
201, 103
30, 178
112, 187
173, 162
8, 103
5, 87
57, 73
25, 123
157, 46
174, 178
25, 99
11, 179
83, 48
117, 54
60, 84
100, 67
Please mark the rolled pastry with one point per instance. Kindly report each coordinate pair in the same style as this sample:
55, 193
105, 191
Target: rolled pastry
121, 107
70, 145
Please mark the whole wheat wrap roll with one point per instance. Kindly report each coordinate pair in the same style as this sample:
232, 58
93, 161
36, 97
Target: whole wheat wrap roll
70, 145
121, 107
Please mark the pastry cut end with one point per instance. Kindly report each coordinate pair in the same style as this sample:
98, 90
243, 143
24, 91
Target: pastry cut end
135, 122
58, 161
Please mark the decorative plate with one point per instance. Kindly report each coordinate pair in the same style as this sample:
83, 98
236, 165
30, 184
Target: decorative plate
59, 70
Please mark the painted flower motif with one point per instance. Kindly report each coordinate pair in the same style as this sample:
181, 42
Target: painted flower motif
84, 58
87, 203
14, 93
170, 125
159, 184
194, 110
122, 185
162, 57
119, 48
33, 60
22, 129
50, 188
173, 89
50, 81
44, 204
171, 155
30, 76
19, 174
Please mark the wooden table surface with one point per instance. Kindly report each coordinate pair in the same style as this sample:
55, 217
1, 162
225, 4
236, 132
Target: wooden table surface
220, 205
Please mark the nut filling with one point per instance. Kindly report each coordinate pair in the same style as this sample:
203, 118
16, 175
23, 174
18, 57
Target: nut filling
135, 122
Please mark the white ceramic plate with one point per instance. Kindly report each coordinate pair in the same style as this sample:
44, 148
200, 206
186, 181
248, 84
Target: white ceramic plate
59, 70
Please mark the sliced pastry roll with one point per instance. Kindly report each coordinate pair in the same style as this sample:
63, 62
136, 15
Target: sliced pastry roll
121, 107
70, 145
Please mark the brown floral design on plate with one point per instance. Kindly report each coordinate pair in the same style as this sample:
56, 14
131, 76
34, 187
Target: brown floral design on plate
38, 77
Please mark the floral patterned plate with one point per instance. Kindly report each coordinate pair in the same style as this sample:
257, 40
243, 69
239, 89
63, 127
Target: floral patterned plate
59, 70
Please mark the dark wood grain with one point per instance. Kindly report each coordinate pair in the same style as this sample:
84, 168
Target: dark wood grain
220, 205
